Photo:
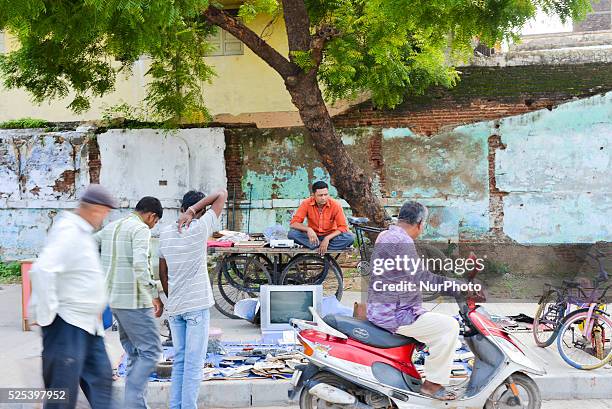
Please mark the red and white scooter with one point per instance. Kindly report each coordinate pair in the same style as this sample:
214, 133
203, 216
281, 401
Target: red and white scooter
355, 364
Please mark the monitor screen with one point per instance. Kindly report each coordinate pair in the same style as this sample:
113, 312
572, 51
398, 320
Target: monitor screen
285, 305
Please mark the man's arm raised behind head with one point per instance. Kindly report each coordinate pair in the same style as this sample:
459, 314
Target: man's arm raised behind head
215, 200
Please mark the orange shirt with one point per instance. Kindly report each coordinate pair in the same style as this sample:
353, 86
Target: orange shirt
324, 222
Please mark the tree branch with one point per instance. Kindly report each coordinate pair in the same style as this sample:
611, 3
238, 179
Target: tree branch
255, 43
297, 24
318, 41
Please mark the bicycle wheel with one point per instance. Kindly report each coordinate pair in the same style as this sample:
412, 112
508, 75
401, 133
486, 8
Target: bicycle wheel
581, 351
551, 310
224, 294
247, 272
306, 269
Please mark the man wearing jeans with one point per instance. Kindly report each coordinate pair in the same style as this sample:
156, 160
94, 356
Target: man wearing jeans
326, 229
184, 275
133, 295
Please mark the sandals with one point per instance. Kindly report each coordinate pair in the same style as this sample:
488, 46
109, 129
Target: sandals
441, 394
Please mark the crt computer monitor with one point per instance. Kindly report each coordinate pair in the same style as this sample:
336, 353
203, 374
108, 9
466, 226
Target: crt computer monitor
280, 303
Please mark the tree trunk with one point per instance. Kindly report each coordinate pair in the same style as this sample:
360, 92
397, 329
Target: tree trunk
352, 183
350, 180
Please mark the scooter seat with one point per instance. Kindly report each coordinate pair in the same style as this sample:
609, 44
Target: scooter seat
366, 332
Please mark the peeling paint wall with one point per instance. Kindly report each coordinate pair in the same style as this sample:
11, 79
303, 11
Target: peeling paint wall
541, 177
43, 172
557, 170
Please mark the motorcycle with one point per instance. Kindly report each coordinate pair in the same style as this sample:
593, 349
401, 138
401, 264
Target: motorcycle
353, 364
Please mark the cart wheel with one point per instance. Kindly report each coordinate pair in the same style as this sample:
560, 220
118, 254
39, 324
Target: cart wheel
224, 294
247, 272
307, 269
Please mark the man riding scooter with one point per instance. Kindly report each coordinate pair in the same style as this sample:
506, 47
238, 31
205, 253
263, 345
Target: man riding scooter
401, 311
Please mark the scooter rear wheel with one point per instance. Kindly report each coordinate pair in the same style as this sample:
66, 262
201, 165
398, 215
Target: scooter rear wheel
308, 401
529, 395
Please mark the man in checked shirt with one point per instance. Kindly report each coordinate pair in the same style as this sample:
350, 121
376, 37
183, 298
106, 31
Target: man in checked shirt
133, 295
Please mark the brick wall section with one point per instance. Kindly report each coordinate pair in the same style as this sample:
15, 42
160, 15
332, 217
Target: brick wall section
496, 196
233, 169
485, 93
93, 159
376, 158
233, 163
66, 182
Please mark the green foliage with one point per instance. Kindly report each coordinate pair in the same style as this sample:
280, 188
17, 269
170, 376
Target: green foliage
250, 9
10, 272
125, 111
81, 46
24, 123
303, 59
178, 71
389, 48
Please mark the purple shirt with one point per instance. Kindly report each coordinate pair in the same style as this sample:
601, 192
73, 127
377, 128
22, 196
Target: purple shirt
393, 309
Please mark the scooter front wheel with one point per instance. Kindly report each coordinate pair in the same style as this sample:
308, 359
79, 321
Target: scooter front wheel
526, 394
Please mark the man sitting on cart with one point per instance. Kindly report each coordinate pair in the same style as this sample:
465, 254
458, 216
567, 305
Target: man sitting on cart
327, 228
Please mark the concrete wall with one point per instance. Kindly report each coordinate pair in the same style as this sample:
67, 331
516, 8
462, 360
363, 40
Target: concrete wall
540, 177
557, 170
43, 172
600, 18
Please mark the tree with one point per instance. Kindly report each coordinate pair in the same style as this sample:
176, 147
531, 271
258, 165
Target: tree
337, 49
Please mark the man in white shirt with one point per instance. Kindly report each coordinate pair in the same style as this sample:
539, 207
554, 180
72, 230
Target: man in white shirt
68, 298
184, 276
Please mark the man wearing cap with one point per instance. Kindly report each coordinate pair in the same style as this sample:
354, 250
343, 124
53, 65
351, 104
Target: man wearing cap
133, 295
68, 298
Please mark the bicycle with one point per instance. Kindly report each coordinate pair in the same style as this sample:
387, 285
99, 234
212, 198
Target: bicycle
555, 319
582, 341
556, 304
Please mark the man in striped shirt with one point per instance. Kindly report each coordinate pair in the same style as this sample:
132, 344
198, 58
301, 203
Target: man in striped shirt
133, 294
184, 276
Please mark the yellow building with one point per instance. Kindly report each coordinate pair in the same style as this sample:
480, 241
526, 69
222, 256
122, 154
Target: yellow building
244, 90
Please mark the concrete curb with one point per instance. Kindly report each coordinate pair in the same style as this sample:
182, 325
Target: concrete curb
265, 392
576, 385
223, 393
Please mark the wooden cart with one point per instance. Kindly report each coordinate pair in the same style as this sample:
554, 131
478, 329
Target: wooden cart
240, 271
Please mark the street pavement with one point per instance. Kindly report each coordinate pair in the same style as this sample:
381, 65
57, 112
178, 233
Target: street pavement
20, 357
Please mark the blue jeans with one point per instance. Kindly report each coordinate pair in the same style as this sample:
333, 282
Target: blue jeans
72, 357
139, 337
340, 242
190, 340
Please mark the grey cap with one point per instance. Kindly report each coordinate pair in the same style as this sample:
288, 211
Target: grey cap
97, 194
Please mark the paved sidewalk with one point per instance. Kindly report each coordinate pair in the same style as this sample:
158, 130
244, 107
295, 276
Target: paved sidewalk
550, 404
20, 360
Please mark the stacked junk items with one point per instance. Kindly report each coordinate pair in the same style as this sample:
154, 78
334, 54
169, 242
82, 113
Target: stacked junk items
258, 360
225, 360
